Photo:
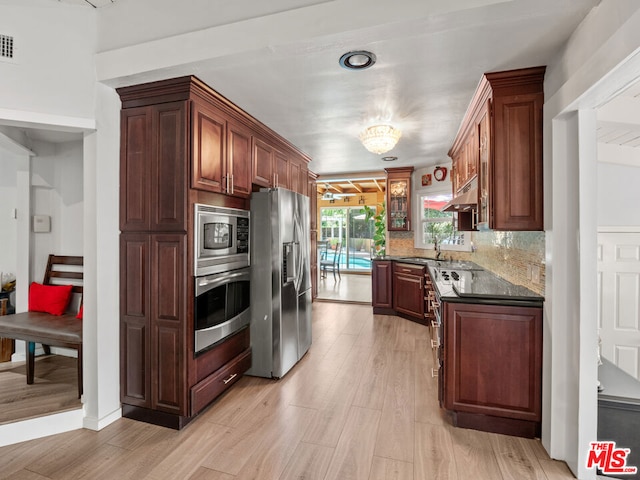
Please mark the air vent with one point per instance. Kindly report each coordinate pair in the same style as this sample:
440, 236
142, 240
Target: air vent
6, 48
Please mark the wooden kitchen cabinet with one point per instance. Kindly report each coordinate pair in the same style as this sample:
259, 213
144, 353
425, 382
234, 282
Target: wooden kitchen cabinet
221, 155
152, 183
181, 143
153, 309
408, 290
399, 198
270, 165
500, 144
381, 285
493, 367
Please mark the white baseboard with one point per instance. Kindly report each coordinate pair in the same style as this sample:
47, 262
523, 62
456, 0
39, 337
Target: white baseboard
93, 423
33, 428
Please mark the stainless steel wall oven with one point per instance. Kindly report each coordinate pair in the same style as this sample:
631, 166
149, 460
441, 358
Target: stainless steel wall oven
222, 306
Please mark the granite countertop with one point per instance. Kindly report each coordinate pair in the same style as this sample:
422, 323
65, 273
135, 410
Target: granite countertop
471, 283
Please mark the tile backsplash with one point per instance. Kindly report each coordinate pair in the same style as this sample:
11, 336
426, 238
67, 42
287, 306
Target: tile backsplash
515, 256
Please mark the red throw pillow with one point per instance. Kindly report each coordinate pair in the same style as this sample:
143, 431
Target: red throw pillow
51, 299
79, 315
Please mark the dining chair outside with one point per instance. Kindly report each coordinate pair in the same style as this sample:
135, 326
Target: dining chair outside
333, 264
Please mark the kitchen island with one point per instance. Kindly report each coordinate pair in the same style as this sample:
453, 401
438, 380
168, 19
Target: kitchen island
486, 338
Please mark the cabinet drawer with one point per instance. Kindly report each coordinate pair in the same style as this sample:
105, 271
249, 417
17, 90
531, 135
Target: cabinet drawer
202, 393
408, 269
210, 361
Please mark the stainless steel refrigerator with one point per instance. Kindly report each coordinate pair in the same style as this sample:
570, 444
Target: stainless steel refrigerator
280, 281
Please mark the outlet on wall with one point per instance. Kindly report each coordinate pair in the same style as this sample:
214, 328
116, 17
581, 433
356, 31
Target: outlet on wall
529, 271
535, 274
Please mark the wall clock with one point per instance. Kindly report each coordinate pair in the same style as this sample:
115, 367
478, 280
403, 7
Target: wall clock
440, 173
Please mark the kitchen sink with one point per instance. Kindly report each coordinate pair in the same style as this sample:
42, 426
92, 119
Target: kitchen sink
416, 259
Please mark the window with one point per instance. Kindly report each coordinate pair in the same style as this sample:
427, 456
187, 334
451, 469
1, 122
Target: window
436, 225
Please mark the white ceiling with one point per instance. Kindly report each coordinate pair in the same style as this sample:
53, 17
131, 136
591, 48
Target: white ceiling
428, 68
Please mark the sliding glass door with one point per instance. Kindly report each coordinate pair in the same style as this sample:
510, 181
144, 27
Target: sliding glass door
347, 227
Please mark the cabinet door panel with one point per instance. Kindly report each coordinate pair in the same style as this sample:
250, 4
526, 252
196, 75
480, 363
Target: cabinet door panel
169, 322
295, 173
135, 153
208, 150
408, 295
381, 279
239, 159
281, 169
517, 169
493, 360
169, 167
135, 319
262, 163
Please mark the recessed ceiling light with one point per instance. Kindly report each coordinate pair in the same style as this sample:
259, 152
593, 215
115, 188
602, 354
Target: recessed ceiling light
389, 159
357, 60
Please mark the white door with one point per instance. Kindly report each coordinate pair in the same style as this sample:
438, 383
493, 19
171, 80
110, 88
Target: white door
619, 299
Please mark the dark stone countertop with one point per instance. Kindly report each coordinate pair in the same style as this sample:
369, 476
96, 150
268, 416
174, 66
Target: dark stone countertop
474, 284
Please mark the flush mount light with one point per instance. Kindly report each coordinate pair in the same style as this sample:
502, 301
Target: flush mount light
389, 159
357, 60
380, 138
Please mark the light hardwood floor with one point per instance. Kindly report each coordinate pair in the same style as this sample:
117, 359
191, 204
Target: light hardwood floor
55, 388
349, 287
360, 405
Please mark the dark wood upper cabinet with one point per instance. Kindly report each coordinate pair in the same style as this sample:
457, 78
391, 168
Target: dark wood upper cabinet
263, 154
500, 144
208, 149
399, 198
239, 158
281, 170
152, 181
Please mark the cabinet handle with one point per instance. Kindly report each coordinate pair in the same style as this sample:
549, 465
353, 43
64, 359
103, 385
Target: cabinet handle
408, 224
230, 378
232, 184
474, 219
434, 343
434, 372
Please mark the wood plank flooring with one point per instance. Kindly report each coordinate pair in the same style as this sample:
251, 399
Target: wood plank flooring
54, 389
361, 405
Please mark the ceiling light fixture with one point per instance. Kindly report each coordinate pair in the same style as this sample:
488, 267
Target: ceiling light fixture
380, 138
389, 159
357, 60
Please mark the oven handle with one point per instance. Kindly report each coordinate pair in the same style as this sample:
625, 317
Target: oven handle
209, 282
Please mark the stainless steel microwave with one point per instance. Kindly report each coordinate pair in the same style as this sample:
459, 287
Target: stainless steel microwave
221, 239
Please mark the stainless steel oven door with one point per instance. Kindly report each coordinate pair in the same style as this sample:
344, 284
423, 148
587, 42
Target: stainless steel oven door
222, 306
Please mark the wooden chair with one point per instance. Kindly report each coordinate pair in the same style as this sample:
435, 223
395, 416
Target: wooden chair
333, 264
55, 330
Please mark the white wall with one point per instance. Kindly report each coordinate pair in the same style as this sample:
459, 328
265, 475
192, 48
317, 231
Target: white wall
618, 195
56, 191
581, 78
8, 225
54, 70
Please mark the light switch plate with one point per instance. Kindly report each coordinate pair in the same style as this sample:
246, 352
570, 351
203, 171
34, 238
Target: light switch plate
41, 223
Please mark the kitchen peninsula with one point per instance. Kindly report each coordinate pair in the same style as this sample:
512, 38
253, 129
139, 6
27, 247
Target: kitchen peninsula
486, 338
